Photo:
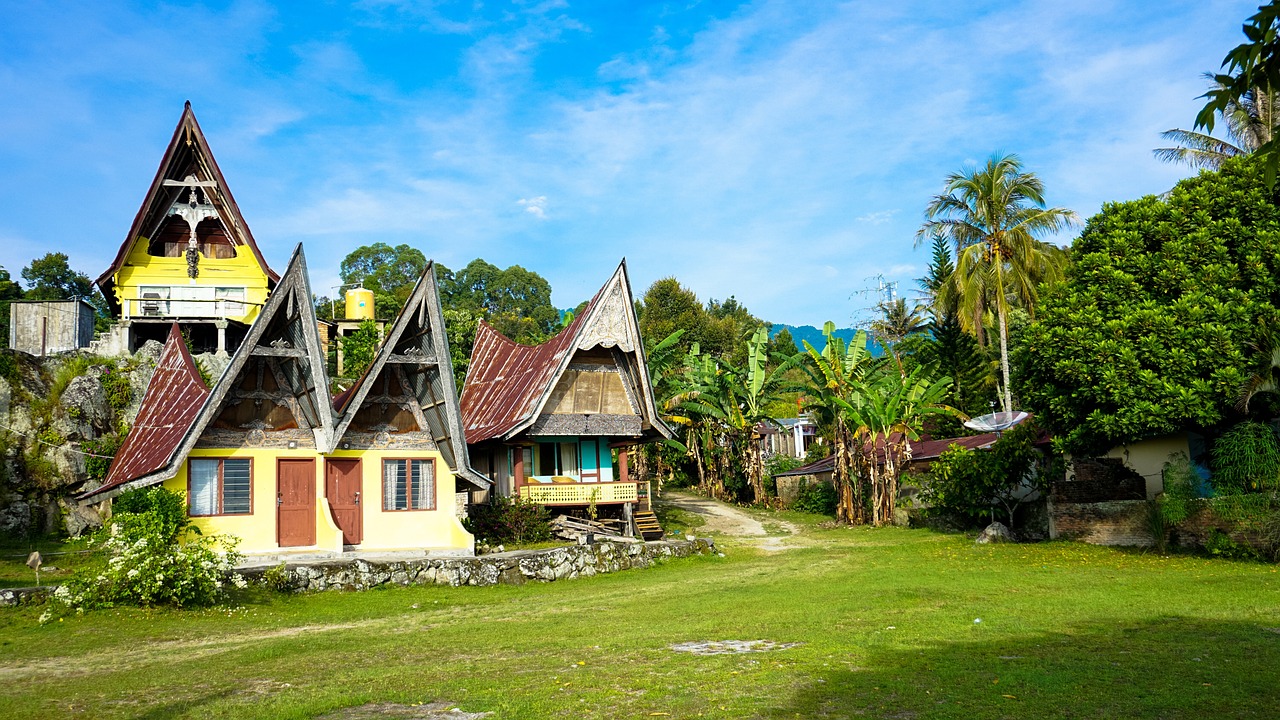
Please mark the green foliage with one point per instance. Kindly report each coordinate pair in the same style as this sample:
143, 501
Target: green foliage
1220, 544
51, 278
508, 520
277, 578
816, 452
515, 301
1251, 68
359, 348
460, 327
718, 329
390, 272
1246, 459
118, 389
817, 498
8, 364
101, 452
9, 291
1147, 335
1182, 486
965, 485
151, 555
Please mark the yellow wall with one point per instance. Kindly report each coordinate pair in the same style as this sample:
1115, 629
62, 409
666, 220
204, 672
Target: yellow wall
142, 269
438, 530
1147, 458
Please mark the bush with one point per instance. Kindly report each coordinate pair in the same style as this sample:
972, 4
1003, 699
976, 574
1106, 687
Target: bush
150, 554
508, 520
100, 454
964, 486
819, 498
117, 388
1246, 459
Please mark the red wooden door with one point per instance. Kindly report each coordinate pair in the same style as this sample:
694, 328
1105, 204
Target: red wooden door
342, 487
295, 502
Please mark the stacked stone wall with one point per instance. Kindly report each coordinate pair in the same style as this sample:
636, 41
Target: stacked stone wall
509, 568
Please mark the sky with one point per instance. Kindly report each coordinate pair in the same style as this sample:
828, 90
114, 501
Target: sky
779, 152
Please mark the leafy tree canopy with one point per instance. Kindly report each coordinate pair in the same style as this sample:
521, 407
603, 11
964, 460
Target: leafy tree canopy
516, 301
1148, 333
51, 278
390, 272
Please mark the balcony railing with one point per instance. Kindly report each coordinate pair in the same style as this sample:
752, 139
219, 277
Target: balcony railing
580, 493
163, 308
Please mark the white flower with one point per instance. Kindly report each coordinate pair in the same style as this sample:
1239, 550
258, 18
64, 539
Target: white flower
45, 616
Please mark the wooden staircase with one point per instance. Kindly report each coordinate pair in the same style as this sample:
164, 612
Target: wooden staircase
647, 525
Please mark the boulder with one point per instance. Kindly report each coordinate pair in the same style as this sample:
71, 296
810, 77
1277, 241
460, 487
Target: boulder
995, 533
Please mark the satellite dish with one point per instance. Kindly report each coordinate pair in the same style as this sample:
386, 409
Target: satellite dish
996, 422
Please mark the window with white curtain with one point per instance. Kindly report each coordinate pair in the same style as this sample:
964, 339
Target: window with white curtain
408, 485
219, 486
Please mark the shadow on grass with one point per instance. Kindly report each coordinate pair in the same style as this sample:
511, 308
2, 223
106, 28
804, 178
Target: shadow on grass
1166, 667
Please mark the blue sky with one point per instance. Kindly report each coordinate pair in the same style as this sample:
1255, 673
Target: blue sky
781, 152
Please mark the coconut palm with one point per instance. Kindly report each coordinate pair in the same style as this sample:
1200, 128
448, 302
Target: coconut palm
1265, 375
993, 215
1250, 121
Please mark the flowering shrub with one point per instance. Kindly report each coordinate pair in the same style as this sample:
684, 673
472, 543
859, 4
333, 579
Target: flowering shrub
151, 554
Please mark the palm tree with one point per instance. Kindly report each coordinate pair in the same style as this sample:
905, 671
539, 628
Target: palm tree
992, 215
1265, 377
1250, 120
897, 322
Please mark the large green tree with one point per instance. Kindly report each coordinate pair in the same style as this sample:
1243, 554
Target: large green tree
390, 272
994, 215
1149, 332
516, 301
51, 278
9, 291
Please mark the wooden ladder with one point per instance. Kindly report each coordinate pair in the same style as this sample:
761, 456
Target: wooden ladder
647, 525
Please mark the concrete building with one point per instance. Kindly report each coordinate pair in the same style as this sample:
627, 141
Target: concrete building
47, 327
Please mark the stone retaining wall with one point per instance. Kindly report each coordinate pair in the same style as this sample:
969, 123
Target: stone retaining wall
509, 568
10, 597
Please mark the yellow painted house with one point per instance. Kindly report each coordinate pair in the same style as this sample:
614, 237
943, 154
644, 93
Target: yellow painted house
267, 456
189, 256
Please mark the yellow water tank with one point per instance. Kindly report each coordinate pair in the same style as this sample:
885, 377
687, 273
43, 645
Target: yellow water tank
359, 304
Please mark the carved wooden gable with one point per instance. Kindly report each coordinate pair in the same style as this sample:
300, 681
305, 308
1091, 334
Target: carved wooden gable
276, 381
408, 396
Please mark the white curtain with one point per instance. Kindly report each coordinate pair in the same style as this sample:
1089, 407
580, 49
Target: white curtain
204, 487
424, 485
394, 496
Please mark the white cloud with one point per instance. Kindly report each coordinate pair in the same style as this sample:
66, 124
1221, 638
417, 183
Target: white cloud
536, 207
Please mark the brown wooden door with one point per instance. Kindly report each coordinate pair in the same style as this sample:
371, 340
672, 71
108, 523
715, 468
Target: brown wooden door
295, 502
342, 482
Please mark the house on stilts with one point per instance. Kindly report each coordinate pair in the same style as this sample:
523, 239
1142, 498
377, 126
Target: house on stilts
554, 423
268, 456
188, 258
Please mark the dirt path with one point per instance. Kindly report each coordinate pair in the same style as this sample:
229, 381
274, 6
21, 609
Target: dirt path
729, 521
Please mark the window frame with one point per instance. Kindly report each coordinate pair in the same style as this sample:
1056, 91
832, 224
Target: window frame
409, 488
221, 493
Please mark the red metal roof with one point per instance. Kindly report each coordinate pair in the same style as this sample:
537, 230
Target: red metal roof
173, 399
506, 380
188, 133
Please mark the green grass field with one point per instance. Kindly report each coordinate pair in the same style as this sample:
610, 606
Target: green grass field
886, 621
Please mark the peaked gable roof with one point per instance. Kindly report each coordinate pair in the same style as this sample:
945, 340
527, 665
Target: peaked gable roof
287, 335
170, 405
416, 350
508, 384
188, 153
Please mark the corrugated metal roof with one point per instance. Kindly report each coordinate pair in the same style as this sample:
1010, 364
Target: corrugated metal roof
506, 380
171, 404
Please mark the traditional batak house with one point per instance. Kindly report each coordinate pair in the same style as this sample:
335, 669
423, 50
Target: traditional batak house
544, 422
265, 455
189, 257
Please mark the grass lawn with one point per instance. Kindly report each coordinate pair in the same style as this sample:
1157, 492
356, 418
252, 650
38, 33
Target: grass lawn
886, 623
60, 558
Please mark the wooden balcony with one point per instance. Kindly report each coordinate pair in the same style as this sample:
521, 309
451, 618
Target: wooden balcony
580, 493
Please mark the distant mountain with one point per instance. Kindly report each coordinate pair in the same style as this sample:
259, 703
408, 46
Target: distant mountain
818, 340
